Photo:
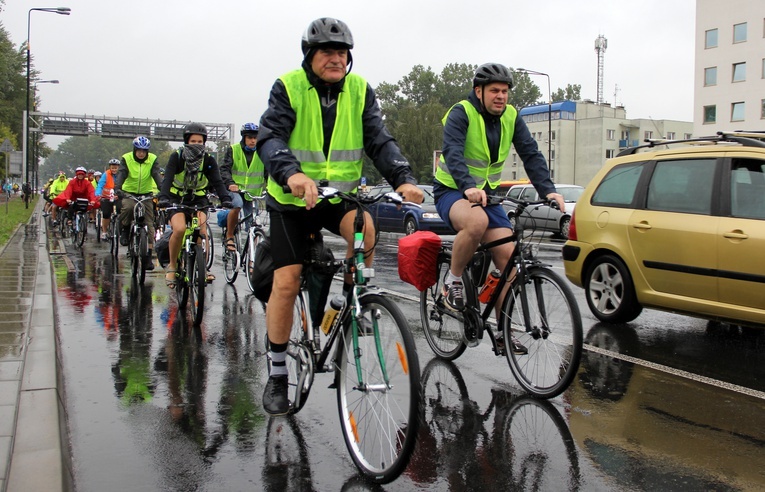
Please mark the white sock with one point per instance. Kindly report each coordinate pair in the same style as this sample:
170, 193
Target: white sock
278, 363
451, 278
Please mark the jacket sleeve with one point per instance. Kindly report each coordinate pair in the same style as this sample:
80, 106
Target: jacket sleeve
122, 174
276, 126
533, 161
226, 165
380, 145
455, 135
101, 184
170, 171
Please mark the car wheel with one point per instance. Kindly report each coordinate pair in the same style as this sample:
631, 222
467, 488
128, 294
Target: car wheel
565, 223
610, 292
410, 226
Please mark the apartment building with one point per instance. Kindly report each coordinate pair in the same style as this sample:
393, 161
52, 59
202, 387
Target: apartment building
729, 79
581, 135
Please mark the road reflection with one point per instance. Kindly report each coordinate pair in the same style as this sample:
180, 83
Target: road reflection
516, 442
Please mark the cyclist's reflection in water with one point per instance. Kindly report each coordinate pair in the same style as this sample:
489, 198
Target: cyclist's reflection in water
133, 379
109, 299
286, 465
606, 377
528, 447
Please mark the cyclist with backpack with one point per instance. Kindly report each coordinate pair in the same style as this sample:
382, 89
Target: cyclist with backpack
105, 190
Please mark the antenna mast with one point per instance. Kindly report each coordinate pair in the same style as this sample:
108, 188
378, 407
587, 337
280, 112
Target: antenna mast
601, 43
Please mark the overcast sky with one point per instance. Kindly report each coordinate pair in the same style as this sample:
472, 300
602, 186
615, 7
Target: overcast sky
216, 61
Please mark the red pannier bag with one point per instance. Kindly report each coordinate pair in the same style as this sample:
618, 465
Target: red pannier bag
417, 256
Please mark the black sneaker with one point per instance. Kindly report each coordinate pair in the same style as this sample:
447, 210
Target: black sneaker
275, 400
124, 237
149, 262
517, 346
453, 296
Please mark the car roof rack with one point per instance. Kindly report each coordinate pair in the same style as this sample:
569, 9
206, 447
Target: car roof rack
745, 138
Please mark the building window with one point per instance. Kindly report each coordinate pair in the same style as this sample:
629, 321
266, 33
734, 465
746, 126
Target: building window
762, 111
670, 135
610, 153
710, 114
763, 68
710, 76
648, 135
737, 111
687, 136
739, 33
552, 154
739, 72
515, 159
610, 134
552, 136
710, 39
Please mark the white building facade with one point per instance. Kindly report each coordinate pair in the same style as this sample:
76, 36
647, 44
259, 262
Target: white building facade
729, 79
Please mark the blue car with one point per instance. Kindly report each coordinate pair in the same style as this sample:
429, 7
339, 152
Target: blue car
408, 218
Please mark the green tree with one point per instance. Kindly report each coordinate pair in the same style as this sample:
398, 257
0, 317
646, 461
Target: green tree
94, 152
12, 87
525, 92
570, 93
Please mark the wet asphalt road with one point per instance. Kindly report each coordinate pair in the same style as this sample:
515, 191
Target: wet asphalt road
666, 403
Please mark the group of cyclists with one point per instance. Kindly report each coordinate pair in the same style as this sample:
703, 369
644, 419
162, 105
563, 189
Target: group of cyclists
321, 120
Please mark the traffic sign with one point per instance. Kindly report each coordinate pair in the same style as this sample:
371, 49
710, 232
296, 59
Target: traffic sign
7, 146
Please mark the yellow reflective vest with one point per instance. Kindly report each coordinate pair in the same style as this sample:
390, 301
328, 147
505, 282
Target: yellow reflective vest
247, 178
342, 168
477, 153
139, 180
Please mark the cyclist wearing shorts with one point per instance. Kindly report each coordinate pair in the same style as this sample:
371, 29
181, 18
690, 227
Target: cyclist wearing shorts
320, 120
105, 190
241, 170
189, 174
478, 133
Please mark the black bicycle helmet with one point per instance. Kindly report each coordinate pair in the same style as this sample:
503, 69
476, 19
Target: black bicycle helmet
194, 129
492, 72
326, 31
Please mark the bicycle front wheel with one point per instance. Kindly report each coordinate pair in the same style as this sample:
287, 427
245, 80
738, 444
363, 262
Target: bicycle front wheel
182, 278
197, 282
114, 237
443, 327
231, 260
252, 279
378, 390
552, 333
98, 225
208, 245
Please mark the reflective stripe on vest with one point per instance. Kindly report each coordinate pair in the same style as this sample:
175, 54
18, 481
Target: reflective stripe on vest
177, 187
247, 178
342, 168
139, 180
477, 153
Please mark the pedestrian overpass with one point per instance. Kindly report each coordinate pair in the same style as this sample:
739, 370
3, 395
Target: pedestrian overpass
121, 127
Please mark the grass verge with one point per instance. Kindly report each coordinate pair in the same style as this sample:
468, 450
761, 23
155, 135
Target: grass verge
13, 213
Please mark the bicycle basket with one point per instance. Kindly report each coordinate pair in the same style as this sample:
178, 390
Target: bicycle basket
417, 258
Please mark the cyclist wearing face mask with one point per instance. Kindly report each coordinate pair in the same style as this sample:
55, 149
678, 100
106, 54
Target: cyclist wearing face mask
189, 174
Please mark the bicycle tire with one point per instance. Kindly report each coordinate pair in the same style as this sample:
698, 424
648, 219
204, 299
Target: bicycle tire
98, 225
300, 366
443, 328
208, 245
182, 279
231, 259
197, 282
252, 280
82, 229
114, 237
553, 359
445, 400
381, 422
135, 257
143, 250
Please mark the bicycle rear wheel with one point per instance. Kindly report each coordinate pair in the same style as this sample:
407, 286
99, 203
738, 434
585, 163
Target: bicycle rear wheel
443, 327
197, 282
257, 238
380, 417
231, 260
553, 335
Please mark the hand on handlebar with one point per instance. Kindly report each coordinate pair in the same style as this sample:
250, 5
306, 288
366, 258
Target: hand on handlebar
557, 198
410, 193
303, 187
476, 196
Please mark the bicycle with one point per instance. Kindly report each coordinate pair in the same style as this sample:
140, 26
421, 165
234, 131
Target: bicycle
138, 243
539, 310
190, 266
373, 357
244, 256
97, 225
114, 231
79, 225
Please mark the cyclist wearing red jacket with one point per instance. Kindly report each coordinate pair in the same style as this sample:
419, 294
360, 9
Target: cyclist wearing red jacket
78, 187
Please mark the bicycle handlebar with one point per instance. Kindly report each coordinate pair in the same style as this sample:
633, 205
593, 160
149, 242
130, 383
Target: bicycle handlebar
329, 192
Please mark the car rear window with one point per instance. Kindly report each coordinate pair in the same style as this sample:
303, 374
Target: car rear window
618, 186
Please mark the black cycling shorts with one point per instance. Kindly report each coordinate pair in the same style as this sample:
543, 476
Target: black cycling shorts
290, 230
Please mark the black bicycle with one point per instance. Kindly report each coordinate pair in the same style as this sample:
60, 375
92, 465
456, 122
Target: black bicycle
243, 257
79, 226
373, 357
539, 312
138, 244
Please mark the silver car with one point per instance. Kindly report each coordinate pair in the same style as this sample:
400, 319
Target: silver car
544, 217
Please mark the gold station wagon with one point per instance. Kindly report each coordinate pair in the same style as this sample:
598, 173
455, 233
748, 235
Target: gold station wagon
681, 229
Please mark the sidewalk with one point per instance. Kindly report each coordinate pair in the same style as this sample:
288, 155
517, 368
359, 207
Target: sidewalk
33, 442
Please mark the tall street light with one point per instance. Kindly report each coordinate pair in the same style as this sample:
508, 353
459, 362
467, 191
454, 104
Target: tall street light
549, 110
55, 10
35, 144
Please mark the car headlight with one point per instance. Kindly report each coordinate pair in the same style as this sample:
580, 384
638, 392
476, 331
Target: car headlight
431, 215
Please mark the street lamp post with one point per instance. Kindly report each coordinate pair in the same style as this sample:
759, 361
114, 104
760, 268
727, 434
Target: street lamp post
36, 139
549, 110
55, 10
